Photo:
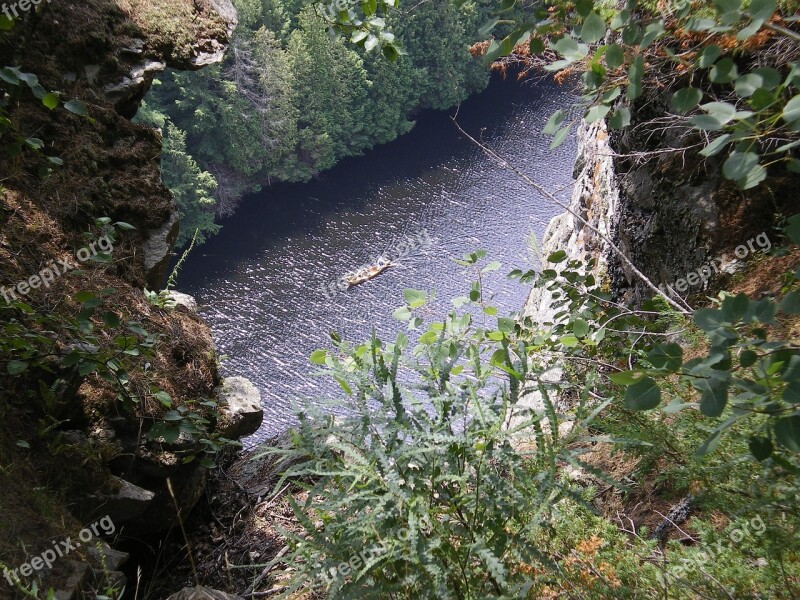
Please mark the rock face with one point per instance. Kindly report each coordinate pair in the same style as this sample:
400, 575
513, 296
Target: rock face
595, 198
185, 300
240, 408
669, 212
156, 250
104, 54
125, 502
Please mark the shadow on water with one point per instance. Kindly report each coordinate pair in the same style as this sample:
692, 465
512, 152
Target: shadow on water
261, 280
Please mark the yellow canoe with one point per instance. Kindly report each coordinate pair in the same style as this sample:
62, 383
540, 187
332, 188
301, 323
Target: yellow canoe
363, 275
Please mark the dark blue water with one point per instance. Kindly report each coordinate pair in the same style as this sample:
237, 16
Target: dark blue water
267, 282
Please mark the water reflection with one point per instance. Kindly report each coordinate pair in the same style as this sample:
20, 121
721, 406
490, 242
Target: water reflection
263, 280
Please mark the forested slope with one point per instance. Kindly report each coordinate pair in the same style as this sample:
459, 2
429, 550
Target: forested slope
291, 100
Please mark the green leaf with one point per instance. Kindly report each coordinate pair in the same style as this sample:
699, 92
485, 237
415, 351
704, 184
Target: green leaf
50, 100
370, 43
652, 32
15, 367
391, 52
760, 447
721, 111
620, 119
710, 444
164, 398
318, 357
791, 112
506, 47
554, 122
123, 226
724, 71
791, 303
714, 395
77, 107
614, 56
626, 377
536, 46
747, 84
708, 56
716, 146
402, 314
369, 7
635, 74
739, 164
557, 256
596, 112
747, 358
84, 296
593, 28
6, 23
414, 298
708, 319
55, 160
686, 99
787, 432
762, 9
111, 319
570, 49
35, 143
631, 34
735, 307
727, 6
9, 76
343, 384
770, 78
643, 395
559, 138
584, 7
570, 341
667, 357
792, 228
580, 328
755, 176
492, 266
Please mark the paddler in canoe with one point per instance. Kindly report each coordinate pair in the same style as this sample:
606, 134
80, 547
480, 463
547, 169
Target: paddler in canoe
367, 273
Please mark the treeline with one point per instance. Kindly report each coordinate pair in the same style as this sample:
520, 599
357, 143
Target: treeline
291, 99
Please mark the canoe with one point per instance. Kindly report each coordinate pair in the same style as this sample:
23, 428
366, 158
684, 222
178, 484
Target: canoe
363, 275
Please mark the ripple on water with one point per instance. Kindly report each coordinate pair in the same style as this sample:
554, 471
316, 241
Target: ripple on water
260, 280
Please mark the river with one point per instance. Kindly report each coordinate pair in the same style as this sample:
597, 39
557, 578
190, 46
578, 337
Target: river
264, 283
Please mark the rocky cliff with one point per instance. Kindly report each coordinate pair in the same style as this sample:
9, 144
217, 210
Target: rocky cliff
74, 443
670, 213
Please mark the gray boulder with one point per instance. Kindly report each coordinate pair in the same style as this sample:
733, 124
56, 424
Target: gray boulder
240, 408
184, 300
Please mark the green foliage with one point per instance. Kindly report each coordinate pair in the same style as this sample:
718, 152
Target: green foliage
11, 86
420, 487
291, 100
755, 108
50, 351
422, 472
